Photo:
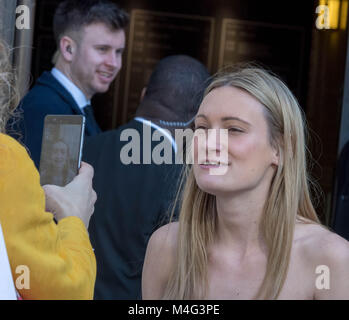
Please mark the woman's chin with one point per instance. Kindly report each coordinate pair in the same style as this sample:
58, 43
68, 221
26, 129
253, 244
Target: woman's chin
211, 187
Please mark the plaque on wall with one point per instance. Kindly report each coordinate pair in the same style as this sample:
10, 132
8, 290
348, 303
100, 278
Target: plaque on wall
275, 47
155, 35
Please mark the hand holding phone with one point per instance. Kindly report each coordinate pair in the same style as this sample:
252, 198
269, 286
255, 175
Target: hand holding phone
75, 199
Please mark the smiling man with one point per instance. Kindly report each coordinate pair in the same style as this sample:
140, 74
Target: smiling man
90, 40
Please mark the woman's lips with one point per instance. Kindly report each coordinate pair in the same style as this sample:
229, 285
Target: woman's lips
212, 165
208, 166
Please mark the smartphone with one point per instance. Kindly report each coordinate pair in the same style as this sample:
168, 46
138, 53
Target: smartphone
61, 148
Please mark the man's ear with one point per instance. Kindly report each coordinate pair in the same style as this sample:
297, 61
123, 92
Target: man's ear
67, 48
144, 90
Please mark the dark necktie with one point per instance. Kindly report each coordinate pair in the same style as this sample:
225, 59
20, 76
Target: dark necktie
92, 127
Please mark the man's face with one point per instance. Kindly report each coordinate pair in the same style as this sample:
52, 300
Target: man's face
98, 58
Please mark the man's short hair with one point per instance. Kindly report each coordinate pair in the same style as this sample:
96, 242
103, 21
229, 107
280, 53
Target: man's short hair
72, 15
178, 82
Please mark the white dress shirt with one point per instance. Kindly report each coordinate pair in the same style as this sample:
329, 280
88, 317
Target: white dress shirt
77, 94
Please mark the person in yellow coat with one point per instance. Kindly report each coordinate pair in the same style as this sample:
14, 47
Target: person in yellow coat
59, 257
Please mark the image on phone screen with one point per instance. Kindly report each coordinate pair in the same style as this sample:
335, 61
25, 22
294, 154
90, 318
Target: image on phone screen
61, 149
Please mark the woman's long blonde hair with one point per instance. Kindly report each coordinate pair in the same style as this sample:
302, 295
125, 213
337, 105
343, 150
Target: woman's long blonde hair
288, 196
9, 97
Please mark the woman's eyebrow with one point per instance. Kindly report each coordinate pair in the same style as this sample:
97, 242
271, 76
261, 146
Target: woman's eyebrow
235, 118
225, 119
201, 116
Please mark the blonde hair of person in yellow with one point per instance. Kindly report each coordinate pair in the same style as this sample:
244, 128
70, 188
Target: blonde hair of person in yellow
59, 257
252, 231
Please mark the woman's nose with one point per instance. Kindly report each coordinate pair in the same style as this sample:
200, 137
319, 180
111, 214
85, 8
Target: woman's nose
214, 139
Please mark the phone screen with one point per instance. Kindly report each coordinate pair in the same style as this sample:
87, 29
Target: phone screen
61, 149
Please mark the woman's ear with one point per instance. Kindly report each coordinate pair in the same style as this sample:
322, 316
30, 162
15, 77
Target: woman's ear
276, 156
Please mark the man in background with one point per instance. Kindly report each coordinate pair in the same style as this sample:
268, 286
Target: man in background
134, 199
90, 39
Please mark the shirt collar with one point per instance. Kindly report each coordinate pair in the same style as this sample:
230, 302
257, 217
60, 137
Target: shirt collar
164, 132
77, 94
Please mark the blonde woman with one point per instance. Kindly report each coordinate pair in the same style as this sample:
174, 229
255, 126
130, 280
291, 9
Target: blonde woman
59, 258
251, 233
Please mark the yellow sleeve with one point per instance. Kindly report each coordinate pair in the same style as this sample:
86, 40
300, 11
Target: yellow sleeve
59, 256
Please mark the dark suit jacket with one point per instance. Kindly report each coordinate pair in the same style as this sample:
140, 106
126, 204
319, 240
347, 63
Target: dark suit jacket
48, 96
133, 201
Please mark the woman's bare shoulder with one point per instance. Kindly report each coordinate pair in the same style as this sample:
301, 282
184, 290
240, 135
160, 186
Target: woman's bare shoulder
159, 261
327, 255
165, 237
320, 244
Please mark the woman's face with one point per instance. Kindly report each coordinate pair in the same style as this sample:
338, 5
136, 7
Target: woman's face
244, 159
59, 154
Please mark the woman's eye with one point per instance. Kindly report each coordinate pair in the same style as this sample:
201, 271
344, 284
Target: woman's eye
234, 129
